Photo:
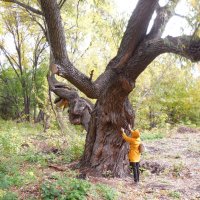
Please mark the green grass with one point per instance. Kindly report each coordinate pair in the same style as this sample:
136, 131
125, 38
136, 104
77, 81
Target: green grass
64, 187
22, 166
174, 194
19, 165
152, 135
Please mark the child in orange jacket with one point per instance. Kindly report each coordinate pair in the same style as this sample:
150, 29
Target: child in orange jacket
134, 154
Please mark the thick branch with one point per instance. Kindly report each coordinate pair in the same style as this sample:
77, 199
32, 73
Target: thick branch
79, 108
11, 60
58, 45
137, 26
134, 34
27, 7
184, 46
163, 16
61, 3
61, 89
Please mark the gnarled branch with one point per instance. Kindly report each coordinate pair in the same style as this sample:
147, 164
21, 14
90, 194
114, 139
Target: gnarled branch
185, 46
79, 108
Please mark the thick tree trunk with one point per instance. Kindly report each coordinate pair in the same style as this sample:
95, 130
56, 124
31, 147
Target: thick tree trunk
105, 150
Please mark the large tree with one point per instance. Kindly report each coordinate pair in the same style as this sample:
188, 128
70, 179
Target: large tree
104, 148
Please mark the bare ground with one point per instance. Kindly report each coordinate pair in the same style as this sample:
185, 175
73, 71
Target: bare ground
171, 170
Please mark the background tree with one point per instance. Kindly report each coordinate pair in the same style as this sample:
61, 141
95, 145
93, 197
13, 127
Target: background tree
23, 61
164, 94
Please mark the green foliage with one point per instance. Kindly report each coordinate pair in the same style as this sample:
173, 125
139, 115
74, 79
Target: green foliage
34, 157
177, 168
65, 188
174, 194
6, 195
23, 70
9, 139
154, 134
75, 189
12, 135
91, 35
11, 94
75, 150
167, 93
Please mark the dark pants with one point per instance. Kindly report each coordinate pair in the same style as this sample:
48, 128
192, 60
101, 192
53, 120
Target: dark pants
136, 173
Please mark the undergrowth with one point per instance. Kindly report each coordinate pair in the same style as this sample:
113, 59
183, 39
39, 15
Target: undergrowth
76, 189
25, 149
26, 152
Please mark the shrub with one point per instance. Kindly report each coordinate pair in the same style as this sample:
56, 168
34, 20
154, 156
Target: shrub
63, 188
154, 134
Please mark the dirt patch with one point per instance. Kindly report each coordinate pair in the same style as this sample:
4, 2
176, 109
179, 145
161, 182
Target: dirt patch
153, 167
30, 191
185, 129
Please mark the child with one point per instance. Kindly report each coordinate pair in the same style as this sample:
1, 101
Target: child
134, 154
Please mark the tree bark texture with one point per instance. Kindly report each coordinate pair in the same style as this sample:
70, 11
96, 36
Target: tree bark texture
104, 149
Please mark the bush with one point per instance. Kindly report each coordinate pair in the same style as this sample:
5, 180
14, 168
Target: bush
4, 195
154, 134
64, 188
174, 195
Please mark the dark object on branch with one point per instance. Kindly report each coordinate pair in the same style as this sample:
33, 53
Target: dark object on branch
91, 75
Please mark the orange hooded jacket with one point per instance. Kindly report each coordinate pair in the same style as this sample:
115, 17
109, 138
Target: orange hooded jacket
134, 142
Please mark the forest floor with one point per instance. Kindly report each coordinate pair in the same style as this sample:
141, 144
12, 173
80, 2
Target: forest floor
170, 169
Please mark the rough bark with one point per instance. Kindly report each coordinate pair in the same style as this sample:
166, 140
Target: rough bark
105, 150
79, 109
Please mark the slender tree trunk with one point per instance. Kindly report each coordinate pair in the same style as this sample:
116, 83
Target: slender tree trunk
60, 120
34, 112
27, 108
40, 117
47, 122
